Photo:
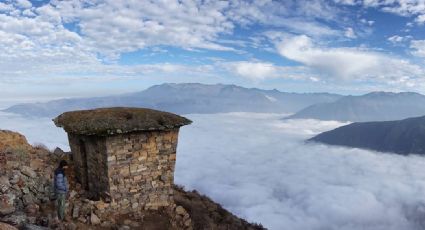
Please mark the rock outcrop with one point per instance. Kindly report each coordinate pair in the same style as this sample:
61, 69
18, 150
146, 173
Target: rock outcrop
12, 140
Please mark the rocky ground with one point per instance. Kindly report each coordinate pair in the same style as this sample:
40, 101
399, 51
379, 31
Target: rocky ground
26, 194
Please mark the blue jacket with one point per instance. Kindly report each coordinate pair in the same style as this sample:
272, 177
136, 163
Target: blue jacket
61, 183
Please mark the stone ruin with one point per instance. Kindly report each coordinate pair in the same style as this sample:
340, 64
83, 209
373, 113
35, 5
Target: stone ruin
125, 156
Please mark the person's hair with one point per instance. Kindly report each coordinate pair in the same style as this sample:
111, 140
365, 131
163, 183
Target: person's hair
63, 163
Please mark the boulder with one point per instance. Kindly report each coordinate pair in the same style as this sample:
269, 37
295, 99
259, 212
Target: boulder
37, 164
94, 220
34, 227
28, 199
180, 211
4, 226
17, 219
7, 204
72, 226
72, 194
32, 209
6, 209
75, 211
15, 177
4, 184
58, 151
27, 171
188, 223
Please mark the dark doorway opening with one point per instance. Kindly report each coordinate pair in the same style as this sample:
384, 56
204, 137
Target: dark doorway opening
85, 170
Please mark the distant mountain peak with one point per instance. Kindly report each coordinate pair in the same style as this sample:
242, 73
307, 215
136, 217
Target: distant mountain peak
405, 136
390, 94
184, 98
374, 106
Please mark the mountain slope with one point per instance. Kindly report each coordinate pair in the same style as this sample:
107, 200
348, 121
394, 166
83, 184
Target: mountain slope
27, 168
402, 136
377, 106
186, 98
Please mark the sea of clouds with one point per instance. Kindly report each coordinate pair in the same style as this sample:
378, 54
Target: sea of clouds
260, 168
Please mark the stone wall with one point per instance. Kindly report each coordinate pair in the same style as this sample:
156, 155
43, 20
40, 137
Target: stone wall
141, 169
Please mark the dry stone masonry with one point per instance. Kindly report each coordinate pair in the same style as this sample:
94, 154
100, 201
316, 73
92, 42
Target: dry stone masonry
124, 156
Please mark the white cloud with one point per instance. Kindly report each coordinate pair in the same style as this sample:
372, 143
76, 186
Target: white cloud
420, 19
64, 37
5, 7
188, 24
273, 12
266, 174
259, 167
258, 71
348, 63
396, 39
139, 24
67, 37
349, 33
254, 70
311, 28
346, 2
24, 3
38, 39
418, 47
407, 8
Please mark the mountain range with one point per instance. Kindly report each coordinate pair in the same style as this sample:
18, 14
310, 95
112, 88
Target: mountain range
376, 106
186, 98
401, 136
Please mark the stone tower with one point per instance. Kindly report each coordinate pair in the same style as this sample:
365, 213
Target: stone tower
125, 155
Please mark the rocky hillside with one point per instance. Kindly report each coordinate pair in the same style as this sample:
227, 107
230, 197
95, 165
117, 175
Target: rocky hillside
402, 136
25, 190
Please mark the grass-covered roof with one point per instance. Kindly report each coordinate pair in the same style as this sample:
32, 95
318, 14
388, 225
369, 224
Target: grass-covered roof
109, 121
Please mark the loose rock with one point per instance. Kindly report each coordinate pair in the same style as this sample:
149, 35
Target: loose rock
27, 171
6, 204
4, 184
15, 219
180, 210
34, 227
4, 226
94, 220
32, 209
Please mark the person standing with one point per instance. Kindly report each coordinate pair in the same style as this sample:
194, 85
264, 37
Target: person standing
61, 188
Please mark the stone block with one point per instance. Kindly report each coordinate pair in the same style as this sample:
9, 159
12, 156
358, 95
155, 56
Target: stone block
27, 171
125, 171
172, 157
111, 158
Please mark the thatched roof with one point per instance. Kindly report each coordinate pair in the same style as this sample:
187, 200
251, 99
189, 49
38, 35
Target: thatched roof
109, 121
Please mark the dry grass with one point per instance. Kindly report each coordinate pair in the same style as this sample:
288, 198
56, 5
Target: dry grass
206, 214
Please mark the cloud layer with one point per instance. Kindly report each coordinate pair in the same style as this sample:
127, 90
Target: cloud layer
350, 63
259, 167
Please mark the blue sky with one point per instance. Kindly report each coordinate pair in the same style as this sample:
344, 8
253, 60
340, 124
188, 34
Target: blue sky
51, 49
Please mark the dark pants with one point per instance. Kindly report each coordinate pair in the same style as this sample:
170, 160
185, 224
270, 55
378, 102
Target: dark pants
60, 205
